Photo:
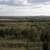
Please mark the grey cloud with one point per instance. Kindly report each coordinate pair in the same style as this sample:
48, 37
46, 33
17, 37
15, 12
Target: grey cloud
11, 2
40, 1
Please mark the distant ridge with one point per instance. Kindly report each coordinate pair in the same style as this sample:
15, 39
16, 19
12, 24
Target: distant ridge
24, 18
11, 17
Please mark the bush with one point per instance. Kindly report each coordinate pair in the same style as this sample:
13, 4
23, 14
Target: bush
7, 32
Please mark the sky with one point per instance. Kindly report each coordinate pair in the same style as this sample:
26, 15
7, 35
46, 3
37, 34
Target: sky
24, 7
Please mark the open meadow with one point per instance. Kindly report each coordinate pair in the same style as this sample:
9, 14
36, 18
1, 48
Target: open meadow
23, 35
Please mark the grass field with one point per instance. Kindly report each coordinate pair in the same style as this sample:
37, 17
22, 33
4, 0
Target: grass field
22, 35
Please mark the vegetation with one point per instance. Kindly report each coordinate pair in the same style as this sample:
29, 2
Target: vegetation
27, 32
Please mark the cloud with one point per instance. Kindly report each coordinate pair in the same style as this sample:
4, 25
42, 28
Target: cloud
40, 1
23, 2
41, 9
15, 11
14, 2
19, 10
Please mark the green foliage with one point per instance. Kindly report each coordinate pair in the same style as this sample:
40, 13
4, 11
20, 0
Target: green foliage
7, 32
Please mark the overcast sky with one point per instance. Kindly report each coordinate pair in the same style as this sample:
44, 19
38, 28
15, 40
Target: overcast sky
24, 7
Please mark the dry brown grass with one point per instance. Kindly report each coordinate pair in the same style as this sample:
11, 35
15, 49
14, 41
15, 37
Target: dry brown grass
4, 48
20, 26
